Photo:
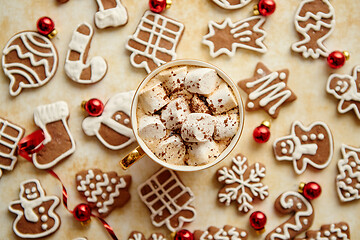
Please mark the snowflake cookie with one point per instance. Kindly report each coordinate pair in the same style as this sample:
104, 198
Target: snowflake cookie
135, 235
242, 183
226, 233
335, 231
348, 180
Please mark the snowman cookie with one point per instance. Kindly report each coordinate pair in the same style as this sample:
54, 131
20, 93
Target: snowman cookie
36, 217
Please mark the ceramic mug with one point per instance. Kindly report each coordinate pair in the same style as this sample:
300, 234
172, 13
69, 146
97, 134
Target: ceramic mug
142, 149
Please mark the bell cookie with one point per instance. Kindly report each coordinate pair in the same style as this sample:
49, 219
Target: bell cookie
231, 4
241, 183
334, 231
113, 126
226, 37
168, 200
267, 90
111, 13
104, 191
135, 235
314, 22
226, 233
154, 41
36, 217
312, 145
346, 89
29, 60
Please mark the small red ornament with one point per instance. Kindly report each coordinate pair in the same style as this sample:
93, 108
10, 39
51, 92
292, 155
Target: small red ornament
261, 133
82, 212
311, 190
94, 107
337, 59
184, 235
266, 7
45, 26
257, 220
158, 6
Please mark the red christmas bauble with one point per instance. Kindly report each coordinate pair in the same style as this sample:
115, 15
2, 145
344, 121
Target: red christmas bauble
261, 134
94, 107
184, 235
82, 212
45, 25
336, 59
257, 220
157, 6
266, 7
312, 190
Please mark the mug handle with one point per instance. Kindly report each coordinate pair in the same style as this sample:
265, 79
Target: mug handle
131, 158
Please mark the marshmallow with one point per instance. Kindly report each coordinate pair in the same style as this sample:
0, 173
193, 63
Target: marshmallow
151, 127
198, 127
221, 100
181, 93
173, 79
226, 126
174, 114
202, 81
202, 153
172, 150
153, 98
198, 106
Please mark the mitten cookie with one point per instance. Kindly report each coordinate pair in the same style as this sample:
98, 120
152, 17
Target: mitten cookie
111, 13
311, 145
335, 231
135, 235
113, 126
168, 200
226, 233
103, 191
36, 217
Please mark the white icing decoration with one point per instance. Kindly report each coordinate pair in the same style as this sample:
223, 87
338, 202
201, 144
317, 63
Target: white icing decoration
260, 71
153, 49
283, 144
103, 195
78, 178
348, 180
112, 17
299, 205
44, 218
304, 138
27, 191
282, 76
98, 177
108, 188
235, 28
305, 221
98, 204
44, 226
227, 5
327, 233
250, 105
284, 151
92, 185
301, 149
278, 230
28, 73
46, 114
321, 136
119, 102
87, 193
121, 184
28, 211
113, 180
126, 121
117, 117
319, 17
312, 136
41, 209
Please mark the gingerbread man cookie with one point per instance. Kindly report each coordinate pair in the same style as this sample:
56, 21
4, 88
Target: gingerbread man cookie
226, 233
334, 231
231, 4
311, 145
103, 191
135, 235
36, 217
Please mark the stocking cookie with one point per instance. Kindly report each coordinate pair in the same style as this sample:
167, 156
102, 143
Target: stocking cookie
168, 200
346, 89
226, 233
242, 183
311, 145
226, 37
314, 21
76, 66
29, 60
36, 217
103, 191
302, 216
335, 231
10, 135
231, 4
267, 90
113, 126
111, 13
58, 143
154, 41
135, 235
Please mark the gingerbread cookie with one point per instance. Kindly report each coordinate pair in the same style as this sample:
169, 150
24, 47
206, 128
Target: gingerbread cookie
314, 22
36, 217
135, 235
267, 90
29, 60
311, 145
76, 66
226, 37
154, 41
10, 135
113, 126
346, 88
302, 216
226, 233
168, 200
348, 179
242, 183
231, 4
59, 143
103, 191
111, 13
335, 231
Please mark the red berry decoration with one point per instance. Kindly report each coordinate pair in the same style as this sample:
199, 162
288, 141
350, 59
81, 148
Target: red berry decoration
157, 6
94, 107
257, 220
82, 212
184, 235
45, 26
311, 190
266, 7
337, 59
261, 133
